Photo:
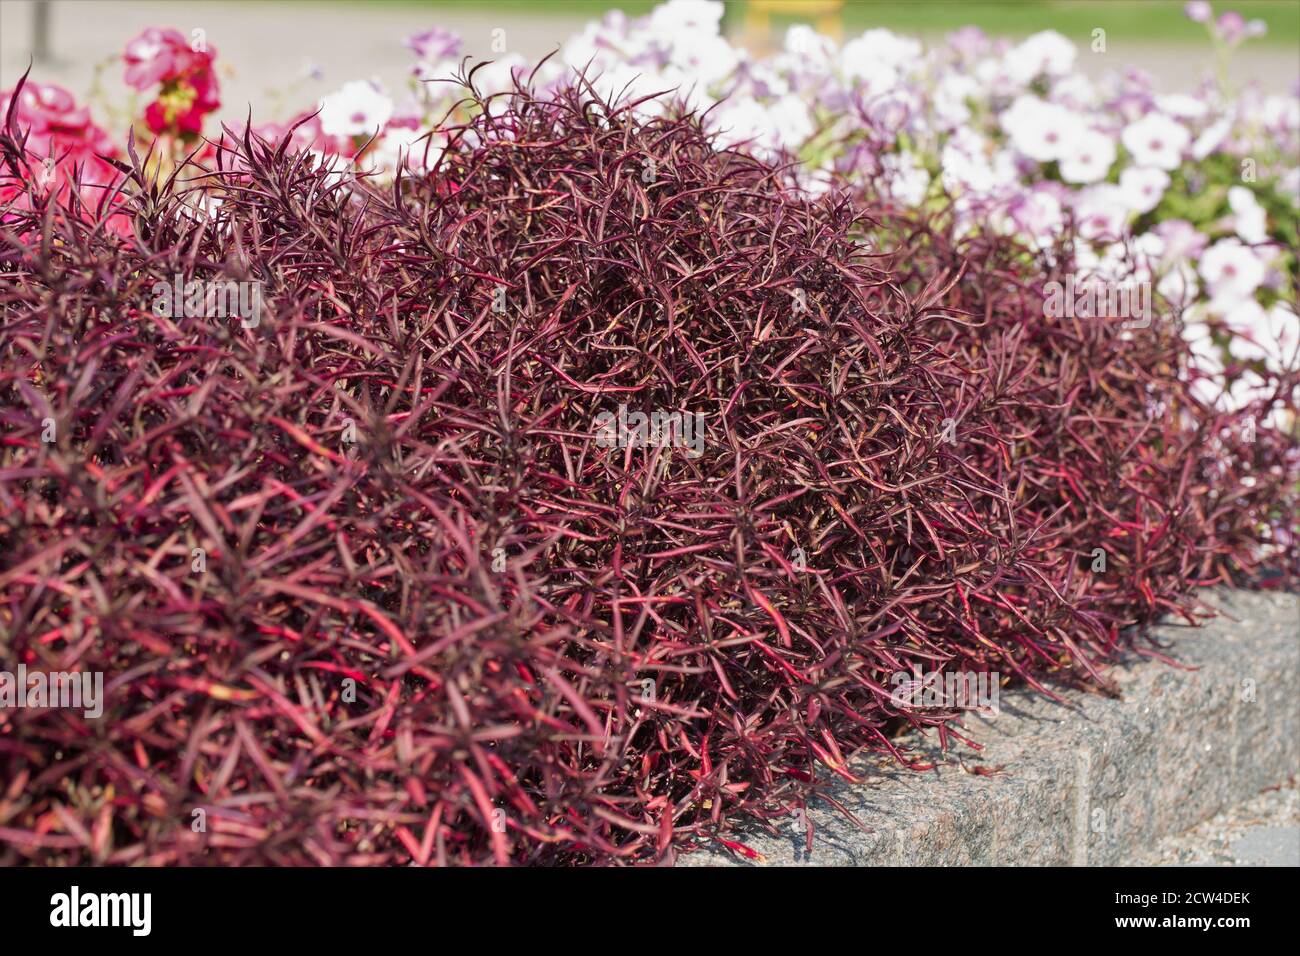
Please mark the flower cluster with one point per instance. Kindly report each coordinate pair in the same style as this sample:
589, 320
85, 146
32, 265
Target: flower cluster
184, 72
63, 145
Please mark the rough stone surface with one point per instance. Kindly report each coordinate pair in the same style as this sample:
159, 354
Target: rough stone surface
1264, 831
1094, 781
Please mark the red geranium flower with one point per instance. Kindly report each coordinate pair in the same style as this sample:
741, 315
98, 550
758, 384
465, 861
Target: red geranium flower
189, 90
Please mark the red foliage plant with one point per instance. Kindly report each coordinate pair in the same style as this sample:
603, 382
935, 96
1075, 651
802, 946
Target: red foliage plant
1096, 425
370, 582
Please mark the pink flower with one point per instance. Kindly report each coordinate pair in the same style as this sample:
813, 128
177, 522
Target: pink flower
1037, 213
1182, 239
190, 89
1232, 26
968, 42
1198, 11
434, 44
55, 124
60, 139
157, 55
1100, 212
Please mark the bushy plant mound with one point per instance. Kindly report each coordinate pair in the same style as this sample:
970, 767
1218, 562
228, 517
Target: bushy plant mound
1104, 439
388, 571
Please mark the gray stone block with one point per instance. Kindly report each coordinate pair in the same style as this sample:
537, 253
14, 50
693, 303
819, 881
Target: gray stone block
1089, 781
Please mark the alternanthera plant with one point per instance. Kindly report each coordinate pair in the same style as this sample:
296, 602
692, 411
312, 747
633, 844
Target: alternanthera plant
372, 580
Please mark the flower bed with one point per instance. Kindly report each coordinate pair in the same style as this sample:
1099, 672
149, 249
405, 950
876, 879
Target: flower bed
584, 481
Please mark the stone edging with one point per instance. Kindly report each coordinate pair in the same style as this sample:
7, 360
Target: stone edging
1091, 783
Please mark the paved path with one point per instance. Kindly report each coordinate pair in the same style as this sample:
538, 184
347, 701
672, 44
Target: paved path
1264, 831
263, 46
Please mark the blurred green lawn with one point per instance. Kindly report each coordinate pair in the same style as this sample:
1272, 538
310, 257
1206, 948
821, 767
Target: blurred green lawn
1154, 21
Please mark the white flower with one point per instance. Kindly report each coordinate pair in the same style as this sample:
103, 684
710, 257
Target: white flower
359, 108
950, 98
1150, 246
1284, 334
1182, 106
1156, 140
1143, 188
1211, 138
905, 179
704, 58
989, 74
1076, 90
1250, 332
1250, 219
879, 46
968, 167
1113, 265
740, 120
678, 18
622, 81
1281, 112
760, 81
1037, 214
1182, 239
786, 123
871, 77
807, 44
876, 62
1231, 271
1206, 354
791, 120
1270, 336
1088, 157
690, 92
432, 76
962, 168
498, 76
890, 113
1178, 286
1289, 183
585, 47
402, 145
1038, 129
1100, 212
1249, 387
1043, 54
